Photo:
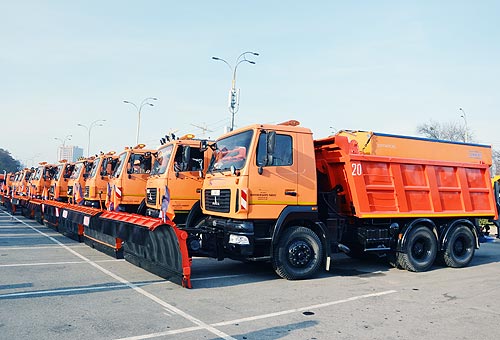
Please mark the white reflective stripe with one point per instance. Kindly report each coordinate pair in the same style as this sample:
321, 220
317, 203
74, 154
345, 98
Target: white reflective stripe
244, 199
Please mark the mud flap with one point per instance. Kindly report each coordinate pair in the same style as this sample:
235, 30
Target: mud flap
158, 247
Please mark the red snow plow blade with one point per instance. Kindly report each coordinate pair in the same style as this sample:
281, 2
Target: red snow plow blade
157, 246
51, 213
75, 220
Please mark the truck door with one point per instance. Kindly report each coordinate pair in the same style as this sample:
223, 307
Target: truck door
274, 179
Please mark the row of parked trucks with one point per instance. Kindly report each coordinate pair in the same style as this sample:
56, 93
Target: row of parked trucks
270, 193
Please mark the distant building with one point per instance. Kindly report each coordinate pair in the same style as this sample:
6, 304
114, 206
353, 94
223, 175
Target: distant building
70, 153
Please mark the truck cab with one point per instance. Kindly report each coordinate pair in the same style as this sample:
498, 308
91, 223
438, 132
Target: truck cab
23, 188
59, 183
180, 165
76, 181
98, 178
277, 163
127, 185
40, 181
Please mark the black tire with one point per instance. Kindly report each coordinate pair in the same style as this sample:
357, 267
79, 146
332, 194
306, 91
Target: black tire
298, 254
460, 247
195, 215
421, 250
141, 210
393, 259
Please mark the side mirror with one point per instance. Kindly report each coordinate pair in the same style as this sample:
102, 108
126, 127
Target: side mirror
270, 146
203, 145
186, 157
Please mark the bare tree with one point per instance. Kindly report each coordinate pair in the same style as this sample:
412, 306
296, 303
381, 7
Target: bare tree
445, 131
496, 162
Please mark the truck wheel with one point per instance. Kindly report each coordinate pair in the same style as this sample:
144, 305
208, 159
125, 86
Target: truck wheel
460, 248
298, 254
141, 210
421, 250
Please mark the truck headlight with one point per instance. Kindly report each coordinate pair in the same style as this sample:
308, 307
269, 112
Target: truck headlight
238, 239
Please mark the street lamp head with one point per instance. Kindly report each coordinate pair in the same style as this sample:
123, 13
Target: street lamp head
150, 104
127, 102
215, 58
251, 62
255, 53
154, 98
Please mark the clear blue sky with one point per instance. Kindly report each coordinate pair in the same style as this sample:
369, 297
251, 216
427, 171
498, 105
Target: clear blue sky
385, 66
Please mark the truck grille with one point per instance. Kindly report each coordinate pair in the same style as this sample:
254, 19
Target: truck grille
151, 194
219, 203
87, 192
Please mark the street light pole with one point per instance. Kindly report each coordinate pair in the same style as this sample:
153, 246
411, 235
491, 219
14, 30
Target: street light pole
89, 129
63, 141
139, 108
234, 95
464, 116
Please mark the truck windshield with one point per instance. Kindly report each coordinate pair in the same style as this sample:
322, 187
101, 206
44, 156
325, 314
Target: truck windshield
76, 171
95, 166
108, 165
161, 161
38, 173
231, 151
68, 170
119, 165
58, 172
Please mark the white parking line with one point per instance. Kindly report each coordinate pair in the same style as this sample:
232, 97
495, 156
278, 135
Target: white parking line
258, 317
77, 245
26, 235
135, 287
55, 263
71, 290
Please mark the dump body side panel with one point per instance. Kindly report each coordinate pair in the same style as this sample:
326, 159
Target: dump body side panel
381, 186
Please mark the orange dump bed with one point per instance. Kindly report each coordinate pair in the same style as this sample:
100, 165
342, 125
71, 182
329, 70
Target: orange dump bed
401, 181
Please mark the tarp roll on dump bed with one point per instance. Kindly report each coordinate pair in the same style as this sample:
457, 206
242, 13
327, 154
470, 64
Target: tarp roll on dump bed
157, 246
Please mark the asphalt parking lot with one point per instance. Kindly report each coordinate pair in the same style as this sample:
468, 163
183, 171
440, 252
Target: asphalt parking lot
52, 287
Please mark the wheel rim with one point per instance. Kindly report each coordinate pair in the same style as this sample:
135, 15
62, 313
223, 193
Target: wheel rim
300, 253
461, 246
421, 249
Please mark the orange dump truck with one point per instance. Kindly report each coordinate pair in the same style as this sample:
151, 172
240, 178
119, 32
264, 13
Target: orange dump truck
272, 193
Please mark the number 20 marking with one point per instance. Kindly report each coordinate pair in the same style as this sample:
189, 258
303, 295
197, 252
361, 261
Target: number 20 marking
356, 169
